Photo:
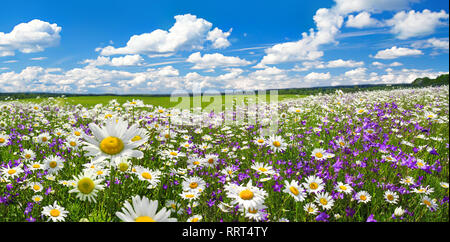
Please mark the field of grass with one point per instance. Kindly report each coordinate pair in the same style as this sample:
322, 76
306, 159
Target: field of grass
163, 101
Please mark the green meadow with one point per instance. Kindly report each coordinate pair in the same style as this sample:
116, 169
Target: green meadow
163, 101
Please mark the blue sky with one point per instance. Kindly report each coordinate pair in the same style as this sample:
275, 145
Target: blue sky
159, 46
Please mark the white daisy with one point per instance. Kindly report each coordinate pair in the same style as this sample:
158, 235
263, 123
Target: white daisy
113, 141
55, 212
144, 210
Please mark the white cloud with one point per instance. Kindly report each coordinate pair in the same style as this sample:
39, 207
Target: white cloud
435, 43
317, 76
393, 64
219, 38
188, 33
378, 64
38, 58
396, 52
362, 20
307, 65
373, 6
344, 63
358, 73
328, 23
208, 61
413, 24
127, 60
30, 37
406, 75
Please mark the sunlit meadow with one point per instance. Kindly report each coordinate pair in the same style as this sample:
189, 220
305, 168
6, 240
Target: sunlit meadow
366, 156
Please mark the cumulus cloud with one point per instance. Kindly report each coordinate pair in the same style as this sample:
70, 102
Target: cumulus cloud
396, 52
211, 61
339, 63
358, 73
362, 20
344, 63
435, 43
406, 75
90, 79
127, 60
188, 33
219, 38
413, 24
374, 6
30, 37
328, 23
317, 76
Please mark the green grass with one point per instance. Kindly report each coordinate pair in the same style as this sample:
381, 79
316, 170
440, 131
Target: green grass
163, 101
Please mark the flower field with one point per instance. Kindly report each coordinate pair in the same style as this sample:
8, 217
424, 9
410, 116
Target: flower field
366, 156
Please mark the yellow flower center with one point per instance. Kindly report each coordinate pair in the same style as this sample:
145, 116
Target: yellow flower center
427, 203
189, 195
294, 190
54, 212
343, 188
342, 143
123, 166
73, 143
11, 171
2, 140
37, 199
195, 220
36, 166
86, 185
246, 194
313, 186
196, 163
146, 175
323, 201
52, 164
260, 141
136, 138
310, 210
319, 155
27, 156
44, 139
77, 133
210, 160
363, 197
173, 153
193, 185
390, 197
99, 172
111, 145
262, 169
144, 219
276, 143
36, 187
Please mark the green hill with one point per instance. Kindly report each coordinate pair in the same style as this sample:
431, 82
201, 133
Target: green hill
425, 81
